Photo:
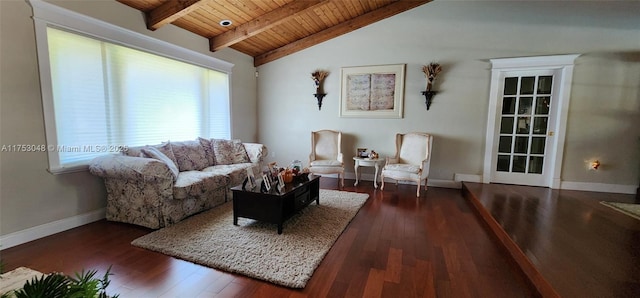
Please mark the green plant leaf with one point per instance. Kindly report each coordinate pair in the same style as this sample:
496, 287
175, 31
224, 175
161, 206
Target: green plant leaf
57, 285
54, 285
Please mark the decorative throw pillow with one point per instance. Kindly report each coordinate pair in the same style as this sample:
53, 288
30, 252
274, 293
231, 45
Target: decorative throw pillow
208, 150
153, 152
165, 148
228, 152
190, 155
133, 151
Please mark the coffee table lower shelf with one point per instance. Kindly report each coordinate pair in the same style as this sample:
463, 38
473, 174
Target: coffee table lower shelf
274, 207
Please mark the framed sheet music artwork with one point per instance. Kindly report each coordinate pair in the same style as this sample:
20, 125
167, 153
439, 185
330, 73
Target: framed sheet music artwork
372, 91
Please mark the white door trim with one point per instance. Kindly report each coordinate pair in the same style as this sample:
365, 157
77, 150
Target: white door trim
563, 63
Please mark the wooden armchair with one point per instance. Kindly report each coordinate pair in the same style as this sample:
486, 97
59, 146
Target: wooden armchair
326, 153
411, 161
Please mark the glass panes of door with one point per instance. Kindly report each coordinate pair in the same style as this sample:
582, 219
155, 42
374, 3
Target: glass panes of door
523, 124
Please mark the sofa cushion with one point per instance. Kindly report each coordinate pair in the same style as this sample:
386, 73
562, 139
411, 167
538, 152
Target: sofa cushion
228, 152
190, 155
195, 183
153, 152
236, 172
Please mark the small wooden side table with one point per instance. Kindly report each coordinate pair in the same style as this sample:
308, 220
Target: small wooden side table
368, 162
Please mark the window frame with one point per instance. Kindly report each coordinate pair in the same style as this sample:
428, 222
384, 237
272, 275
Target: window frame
47, 15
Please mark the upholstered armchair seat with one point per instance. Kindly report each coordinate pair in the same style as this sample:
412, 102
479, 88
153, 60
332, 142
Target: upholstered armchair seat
326, 163
406, 170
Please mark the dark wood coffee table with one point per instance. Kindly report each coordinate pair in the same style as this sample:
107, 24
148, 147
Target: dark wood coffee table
274, 207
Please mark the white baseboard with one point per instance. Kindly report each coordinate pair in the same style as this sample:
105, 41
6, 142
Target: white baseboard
467, 178
569, 185
37, 232
599, 187
444, 183
431, 182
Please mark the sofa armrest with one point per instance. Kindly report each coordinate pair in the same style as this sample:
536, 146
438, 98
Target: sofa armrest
257, 152
129, 168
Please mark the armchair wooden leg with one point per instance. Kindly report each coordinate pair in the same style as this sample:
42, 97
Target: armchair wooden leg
418, 189
341, 179
381, 182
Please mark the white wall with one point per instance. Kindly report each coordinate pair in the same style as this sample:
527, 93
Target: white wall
34, 202
463, 36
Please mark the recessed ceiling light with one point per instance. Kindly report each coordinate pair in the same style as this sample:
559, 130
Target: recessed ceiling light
225, 23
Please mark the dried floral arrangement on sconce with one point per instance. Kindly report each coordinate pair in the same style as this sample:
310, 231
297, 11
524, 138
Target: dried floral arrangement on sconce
430, 71
318, 77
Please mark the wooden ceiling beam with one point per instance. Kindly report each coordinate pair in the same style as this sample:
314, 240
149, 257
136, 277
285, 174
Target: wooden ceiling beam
170, 11
345, 27
262, 23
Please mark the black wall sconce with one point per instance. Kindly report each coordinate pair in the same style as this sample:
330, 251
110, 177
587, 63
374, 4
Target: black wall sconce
430, 71
319, 97
428, 95
318, 77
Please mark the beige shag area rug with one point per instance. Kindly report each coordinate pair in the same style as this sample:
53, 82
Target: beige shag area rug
632, 210
16, 278
254, 248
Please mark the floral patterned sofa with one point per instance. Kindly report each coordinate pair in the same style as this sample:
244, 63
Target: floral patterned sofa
159, 185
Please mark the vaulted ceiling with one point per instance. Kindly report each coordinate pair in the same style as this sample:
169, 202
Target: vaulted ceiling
268, 29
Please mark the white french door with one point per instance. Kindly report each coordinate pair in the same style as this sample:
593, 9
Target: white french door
527, 112
527, 117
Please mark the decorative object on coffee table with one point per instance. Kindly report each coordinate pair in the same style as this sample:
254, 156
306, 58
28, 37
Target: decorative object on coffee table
275, 206
265, 186
250, 181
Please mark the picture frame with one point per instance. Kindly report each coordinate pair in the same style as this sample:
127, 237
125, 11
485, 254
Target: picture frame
280, 179
251, 178
372, 91
280, 182
362, 152
266, 182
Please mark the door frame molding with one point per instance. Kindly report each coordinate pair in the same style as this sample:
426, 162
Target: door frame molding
564, 65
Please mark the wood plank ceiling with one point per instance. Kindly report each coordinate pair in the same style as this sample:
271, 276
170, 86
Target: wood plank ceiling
268, 29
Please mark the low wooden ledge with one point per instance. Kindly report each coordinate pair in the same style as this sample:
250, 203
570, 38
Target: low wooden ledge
535, 278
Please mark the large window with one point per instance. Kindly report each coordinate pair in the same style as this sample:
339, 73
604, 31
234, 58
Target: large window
100, 96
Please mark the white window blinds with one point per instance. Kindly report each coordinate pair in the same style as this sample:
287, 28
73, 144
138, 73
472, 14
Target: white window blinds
106, 96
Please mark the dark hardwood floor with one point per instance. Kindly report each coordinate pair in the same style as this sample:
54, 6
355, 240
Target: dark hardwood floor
396, 246
566, 241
